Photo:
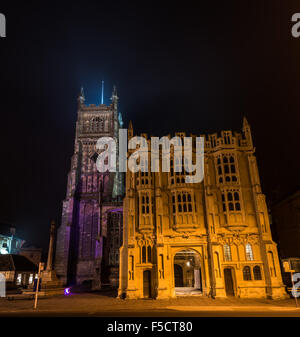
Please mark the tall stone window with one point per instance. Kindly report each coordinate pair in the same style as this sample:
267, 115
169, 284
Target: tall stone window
227, 252
184, 202
231, 201
146, 204
247, 273
249, 252
257, 273
146, 253
226, 169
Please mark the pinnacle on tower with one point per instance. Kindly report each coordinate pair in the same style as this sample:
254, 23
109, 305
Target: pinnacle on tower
81, 97
247, 131
130, 130
130, 127
245, 123
114, 95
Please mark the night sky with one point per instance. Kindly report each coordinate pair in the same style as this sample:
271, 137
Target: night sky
181, 66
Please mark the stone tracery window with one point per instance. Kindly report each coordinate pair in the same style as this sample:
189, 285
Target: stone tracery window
226, 168
249, 252
227, 252
257, 273
231, 200
247, 273
146, 253
183, 202
146, 204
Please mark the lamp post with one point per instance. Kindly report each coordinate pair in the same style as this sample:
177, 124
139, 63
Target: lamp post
41, 268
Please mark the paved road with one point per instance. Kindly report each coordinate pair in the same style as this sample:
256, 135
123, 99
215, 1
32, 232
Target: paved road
106, 305
153, 313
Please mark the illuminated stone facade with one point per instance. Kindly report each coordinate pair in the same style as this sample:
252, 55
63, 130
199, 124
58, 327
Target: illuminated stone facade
212, 238
82, 253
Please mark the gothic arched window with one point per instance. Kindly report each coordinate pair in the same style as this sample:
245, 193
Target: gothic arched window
149, 253
249, 252
247, 273
144, 254
227, 252
257, 273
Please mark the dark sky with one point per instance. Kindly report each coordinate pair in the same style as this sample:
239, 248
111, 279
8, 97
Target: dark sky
182, 66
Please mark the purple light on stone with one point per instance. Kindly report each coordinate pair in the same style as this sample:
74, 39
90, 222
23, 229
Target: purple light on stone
117, 210
67, 291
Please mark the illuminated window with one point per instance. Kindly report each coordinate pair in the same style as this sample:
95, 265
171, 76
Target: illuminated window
227, 253
19, 279
249, 252
30, 279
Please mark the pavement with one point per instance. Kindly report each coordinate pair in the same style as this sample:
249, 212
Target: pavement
106, 304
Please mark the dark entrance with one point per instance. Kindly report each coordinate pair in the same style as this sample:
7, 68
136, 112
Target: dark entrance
228, 282
147, 283
178, 275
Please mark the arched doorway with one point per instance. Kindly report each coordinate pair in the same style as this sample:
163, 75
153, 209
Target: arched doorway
187, 273
229, 287
147, 284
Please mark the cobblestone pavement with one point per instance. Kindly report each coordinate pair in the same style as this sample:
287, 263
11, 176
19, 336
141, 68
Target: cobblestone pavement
106, 303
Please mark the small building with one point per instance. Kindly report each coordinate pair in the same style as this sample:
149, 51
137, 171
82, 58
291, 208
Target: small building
286, 224
9, 242
18, 270
32, 253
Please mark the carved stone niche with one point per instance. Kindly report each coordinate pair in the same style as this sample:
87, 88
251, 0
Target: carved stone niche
183, 228
235, 224
236, 228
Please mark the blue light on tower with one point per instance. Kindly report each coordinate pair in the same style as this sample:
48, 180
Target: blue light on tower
102, 92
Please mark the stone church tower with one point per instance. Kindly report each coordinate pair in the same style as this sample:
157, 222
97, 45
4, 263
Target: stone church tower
211, 238
89, 236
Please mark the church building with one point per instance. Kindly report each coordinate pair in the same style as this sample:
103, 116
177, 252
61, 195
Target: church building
90, 234
210, 238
